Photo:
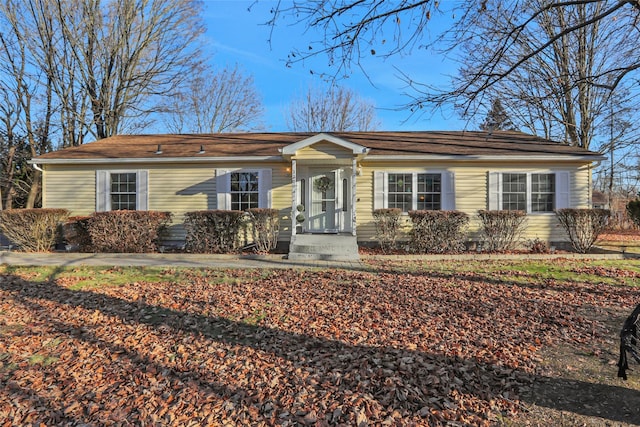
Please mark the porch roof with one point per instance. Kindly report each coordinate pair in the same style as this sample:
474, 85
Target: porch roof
257, 146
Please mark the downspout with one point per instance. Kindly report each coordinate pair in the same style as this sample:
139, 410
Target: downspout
36, 167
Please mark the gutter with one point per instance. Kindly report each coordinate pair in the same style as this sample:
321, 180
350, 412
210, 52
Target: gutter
489, 158
155, 160
369, 159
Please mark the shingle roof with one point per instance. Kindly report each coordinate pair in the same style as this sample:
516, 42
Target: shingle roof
450, 143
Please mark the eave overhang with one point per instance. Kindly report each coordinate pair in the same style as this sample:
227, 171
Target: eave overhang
156, 160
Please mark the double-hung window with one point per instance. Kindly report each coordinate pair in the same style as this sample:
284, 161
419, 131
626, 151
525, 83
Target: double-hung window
121, 190
400, 191
529, 192
414, 190
543, 190
243, 189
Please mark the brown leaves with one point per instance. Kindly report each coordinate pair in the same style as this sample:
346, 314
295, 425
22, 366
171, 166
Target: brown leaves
282, 348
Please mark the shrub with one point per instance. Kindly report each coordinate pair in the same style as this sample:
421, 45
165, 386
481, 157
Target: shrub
538, 246
438, 231
583, 226
265, 227
213, 231
387, 222
33, 230
76, 233
127, 231
501, 230
633, 211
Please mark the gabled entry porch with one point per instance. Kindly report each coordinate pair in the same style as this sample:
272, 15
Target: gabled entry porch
323, 197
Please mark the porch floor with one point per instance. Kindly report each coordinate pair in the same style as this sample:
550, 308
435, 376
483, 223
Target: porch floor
330, 247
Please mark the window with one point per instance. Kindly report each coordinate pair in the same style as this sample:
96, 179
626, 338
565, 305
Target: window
244, 190
543, 191
411, 191
529, 192
514, 192
400, 192
429, 191
123, 191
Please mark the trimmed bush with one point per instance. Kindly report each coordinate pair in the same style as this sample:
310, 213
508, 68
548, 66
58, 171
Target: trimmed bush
438, 231
76, 233
387, 222
33, 230
213, 231
501, 230
583, 226
265, 226
633, 211
127, 231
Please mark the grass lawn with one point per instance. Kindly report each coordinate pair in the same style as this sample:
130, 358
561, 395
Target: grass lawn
399, 343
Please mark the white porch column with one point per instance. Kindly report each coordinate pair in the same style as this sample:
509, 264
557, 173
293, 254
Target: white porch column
294, 197
354, 198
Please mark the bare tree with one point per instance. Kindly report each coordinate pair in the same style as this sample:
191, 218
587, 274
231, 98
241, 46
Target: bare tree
566, 91
91, 68
352, 30
108, 63
214, 102
333, 109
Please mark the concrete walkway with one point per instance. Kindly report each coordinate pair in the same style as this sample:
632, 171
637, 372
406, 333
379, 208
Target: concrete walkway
168, 260
256, 261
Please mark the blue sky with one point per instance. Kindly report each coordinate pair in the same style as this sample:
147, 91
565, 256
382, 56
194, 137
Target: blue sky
236, 35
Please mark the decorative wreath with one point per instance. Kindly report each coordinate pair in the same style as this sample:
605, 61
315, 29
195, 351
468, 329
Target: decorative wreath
323, 184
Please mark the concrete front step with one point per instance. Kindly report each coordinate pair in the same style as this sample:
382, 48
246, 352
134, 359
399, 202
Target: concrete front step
328, 247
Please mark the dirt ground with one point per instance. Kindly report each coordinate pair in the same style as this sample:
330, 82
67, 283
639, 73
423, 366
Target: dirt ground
579, 386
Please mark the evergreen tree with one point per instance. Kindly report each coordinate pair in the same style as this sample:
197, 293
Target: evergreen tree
497, 118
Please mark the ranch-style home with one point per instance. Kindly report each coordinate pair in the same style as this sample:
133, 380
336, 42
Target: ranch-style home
335, 180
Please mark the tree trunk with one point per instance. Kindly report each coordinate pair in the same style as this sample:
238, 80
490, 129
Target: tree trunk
34, 191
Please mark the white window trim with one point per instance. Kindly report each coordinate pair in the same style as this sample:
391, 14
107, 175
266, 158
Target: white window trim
223, 186
562, 185
447, 189
103, 188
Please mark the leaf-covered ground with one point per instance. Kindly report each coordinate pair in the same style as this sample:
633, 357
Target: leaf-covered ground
389, 346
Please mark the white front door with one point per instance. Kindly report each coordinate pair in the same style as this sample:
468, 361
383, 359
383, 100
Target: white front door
329, 200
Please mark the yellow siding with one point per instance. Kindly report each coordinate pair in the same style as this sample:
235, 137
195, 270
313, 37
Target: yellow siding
69, 188
471, 194
323, 151
180, 188
172, 187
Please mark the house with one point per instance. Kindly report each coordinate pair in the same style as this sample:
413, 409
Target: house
336, 179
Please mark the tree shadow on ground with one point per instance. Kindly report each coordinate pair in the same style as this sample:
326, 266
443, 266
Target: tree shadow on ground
255, 374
